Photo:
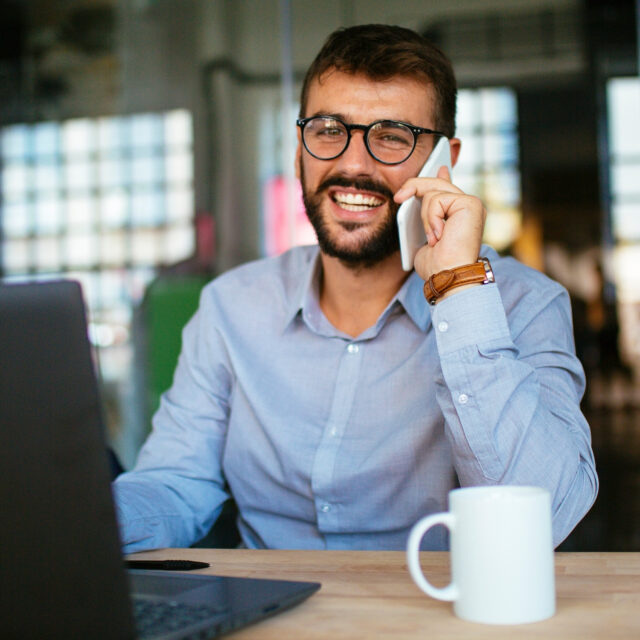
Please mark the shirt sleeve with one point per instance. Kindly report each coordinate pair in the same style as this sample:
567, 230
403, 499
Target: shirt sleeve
510, 393
176, 490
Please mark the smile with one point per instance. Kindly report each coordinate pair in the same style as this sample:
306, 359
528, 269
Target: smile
356, 201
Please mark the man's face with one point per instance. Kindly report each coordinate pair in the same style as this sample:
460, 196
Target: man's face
349, 200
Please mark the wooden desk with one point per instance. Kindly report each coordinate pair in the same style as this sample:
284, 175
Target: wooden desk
370, 594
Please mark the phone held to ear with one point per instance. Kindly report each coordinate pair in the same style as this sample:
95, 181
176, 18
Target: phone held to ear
410, 227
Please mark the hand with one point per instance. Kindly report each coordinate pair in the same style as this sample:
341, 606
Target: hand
453, 221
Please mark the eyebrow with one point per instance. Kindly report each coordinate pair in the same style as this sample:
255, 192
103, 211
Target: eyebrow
326, 114
347, 120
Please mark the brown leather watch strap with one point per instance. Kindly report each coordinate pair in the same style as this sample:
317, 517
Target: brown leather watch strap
439, 283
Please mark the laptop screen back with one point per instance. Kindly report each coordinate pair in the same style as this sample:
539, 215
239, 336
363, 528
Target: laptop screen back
61, 571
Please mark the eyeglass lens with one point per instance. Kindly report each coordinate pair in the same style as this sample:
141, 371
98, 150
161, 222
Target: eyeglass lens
388, 141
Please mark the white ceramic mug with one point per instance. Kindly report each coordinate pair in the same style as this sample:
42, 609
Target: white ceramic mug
502, 564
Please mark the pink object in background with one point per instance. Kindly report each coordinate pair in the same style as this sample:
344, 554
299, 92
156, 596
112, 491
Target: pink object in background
278, 237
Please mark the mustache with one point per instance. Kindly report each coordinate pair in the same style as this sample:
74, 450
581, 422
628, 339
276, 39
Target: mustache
361, 184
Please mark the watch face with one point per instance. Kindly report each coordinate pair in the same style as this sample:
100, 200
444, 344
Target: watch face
488, 271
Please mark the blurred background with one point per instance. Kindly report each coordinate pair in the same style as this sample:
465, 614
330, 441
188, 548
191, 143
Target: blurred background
147, 146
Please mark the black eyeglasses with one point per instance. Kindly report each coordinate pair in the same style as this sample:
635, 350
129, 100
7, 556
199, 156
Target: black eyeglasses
388, 141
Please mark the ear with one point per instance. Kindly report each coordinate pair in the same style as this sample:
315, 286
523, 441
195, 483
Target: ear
455, 144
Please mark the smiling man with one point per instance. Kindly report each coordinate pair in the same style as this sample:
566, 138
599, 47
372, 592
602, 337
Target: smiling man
338, 398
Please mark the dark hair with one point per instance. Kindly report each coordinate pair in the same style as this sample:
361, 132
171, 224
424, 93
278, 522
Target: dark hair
380, 52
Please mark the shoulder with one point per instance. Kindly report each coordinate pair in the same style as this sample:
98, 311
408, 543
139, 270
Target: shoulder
274, 281
513, 275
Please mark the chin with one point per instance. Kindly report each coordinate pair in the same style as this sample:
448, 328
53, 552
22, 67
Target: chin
354, 243
366, 250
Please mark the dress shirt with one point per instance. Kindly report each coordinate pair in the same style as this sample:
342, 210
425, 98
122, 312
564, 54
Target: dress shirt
330, 441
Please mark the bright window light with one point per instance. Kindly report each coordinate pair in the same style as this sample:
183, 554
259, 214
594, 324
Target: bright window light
623, 105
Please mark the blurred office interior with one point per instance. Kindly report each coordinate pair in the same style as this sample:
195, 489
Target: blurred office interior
147, 145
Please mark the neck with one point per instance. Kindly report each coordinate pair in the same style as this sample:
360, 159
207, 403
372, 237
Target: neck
352, 298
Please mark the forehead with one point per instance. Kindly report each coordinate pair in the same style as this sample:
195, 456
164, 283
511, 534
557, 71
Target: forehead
359, 99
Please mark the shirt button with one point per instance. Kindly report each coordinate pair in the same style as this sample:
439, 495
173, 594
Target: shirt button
333, 431
353, 348
443, 326
325, 508
463, 398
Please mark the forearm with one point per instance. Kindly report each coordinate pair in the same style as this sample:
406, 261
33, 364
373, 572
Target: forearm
512, 411
175, 492
149, 516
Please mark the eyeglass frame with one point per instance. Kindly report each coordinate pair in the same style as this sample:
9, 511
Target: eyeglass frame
365, 128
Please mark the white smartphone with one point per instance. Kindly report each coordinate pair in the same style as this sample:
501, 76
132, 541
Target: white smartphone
410, 227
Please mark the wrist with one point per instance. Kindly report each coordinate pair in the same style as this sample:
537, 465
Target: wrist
443, 283
452, 292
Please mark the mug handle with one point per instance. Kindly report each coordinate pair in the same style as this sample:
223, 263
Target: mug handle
448, 593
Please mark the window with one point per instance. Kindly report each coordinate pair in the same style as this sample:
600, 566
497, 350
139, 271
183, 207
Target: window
105, 201
488, 163
623, 103
624, 148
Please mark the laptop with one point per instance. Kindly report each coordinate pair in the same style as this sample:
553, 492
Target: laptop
62, 574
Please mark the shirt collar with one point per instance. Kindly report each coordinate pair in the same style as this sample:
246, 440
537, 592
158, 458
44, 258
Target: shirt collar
307, 288
411, 297
306, 298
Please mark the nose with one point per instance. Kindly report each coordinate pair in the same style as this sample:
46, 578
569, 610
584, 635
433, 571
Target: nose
356, 159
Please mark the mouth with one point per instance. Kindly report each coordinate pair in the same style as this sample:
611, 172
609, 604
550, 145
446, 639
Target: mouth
356, 202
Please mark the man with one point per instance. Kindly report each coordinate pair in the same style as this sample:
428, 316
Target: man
321, 389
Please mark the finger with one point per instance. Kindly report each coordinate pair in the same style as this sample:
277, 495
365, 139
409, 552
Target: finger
419, 187
436, 220
434, 213
439, 206
407, 190
443, 173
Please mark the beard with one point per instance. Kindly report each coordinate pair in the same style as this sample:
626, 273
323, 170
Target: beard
374, 245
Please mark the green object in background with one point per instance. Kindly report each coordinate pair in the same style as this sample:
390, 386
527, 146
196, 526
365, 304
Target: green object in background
169, 303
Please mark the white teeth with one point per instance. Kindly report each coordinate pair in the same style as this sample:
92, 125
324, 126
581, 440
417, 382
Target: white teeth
357, 201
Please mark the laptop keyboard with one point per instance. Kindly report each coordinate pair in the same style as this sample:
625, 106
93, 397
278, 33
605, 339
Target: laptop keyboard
154, 618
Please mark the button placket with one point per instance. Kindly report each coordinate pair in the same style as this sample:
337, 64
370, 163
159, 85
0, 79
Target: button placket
322, 476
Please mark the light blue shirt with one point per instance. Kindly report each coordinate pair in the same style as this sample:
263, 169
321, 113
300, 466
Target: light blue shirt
326, 441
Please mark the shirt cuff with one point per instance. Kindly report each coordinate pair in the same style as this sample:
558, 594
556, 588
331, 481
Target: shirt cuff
473, 316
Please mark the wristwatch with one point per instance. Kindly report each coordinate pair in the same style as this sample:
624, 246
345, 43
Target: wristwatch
439, 283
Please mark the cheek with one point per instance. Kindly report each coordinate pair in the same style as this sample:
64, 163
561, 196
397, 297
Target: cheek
395, 179
312, 172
